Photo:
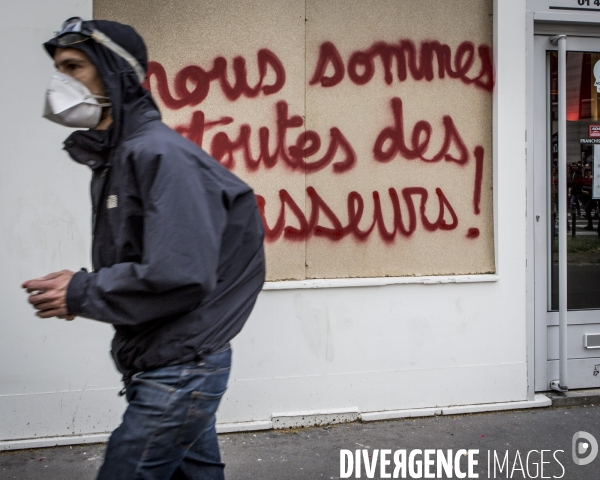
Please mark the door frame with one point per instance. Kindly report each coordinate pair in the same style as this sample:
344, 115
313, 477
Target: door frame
537, 341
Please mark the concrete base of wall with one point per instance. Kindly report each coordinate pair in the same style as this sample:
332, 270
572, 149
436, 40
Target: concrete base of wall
314, 419
300, 419
539, 401
53, 441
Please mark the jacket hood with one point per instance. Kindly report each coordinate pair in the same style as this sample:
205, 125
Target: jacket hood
131, 102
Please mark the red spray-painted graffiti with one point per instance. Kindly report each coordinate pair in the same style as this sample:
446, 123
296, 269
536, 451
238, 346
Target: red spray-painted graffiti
420, 65
255, 150
355, 209
201, 80
421, 135
389, 144
308, 143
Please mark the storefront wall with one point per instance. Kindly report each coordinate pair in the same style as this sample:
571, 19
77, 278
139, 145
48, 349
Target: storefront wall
351, 340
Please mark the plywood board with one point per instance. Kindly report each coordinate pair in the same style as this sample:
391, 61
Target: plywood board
382, 62
345, 196
188, 40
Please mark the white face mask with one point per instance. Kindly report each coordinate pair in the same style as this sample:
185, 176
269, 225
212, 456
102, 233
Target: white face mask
70, 103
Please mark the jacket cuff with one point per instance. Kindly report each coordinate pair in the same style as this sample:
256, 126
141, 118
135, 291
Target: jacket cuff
76, 292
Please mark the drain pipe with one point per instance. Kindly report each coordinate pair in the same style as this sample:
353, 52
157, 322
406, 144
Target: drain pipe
560, 385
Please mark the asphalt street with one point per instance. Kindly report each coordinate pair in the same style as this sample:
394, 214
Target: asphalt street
314, 453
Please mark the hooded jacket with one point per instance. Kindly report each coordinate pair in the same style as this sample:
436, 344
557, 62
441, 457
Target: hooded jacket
177, 245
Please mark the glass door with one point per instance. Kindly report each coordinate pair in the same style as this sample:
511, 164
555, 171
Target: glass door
582, 219
583, 140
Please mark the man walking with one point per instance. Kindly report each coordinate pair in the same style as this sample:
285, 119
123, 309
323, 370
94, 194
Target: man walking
177, 254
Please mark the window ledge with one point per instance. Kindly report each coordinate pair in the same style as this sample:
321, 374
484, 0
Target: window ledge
377, 282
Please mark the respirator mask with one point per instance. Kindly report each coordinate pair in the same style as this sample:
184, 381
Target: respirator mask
68, 101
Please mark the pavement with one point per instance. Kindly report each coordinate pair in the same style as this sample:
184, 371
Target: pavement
314, 453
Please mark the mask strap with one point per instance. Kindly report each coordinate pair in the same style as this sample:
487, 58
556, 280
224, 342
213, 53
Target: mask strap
99, 97
103, 39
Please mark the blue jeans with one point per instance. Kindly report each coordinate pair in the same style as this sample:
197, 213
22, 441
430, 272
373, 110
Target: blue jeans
168, 430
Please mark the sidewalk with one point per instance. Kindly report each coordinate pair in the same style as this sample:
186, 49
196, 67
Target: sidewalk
314, 453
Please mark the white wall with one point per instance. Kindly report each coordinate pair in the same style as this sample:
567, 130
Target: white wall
53, 374
373, 348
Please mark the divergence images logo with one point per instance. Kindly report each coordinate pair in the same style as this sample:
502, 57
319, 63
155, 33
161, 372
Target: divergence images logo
588, 446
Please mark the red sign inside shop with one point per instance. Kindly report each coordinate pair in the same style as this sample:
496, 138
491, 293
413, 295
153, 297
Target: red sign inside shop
594, 131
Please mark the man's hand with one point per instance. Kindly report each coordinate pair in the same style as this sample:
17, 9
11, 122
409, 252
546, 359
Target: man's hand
49, 294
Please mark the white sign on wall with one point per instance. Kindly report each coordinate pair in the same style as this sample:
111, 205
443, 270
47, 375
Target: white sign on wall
545, 5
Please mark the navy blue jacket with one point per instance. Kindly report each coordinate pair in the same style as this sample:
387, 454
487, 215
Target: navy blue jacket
177, 244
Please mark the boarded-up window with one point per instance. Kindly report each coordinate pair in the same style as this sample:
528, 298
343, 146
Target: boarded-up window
363, 127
